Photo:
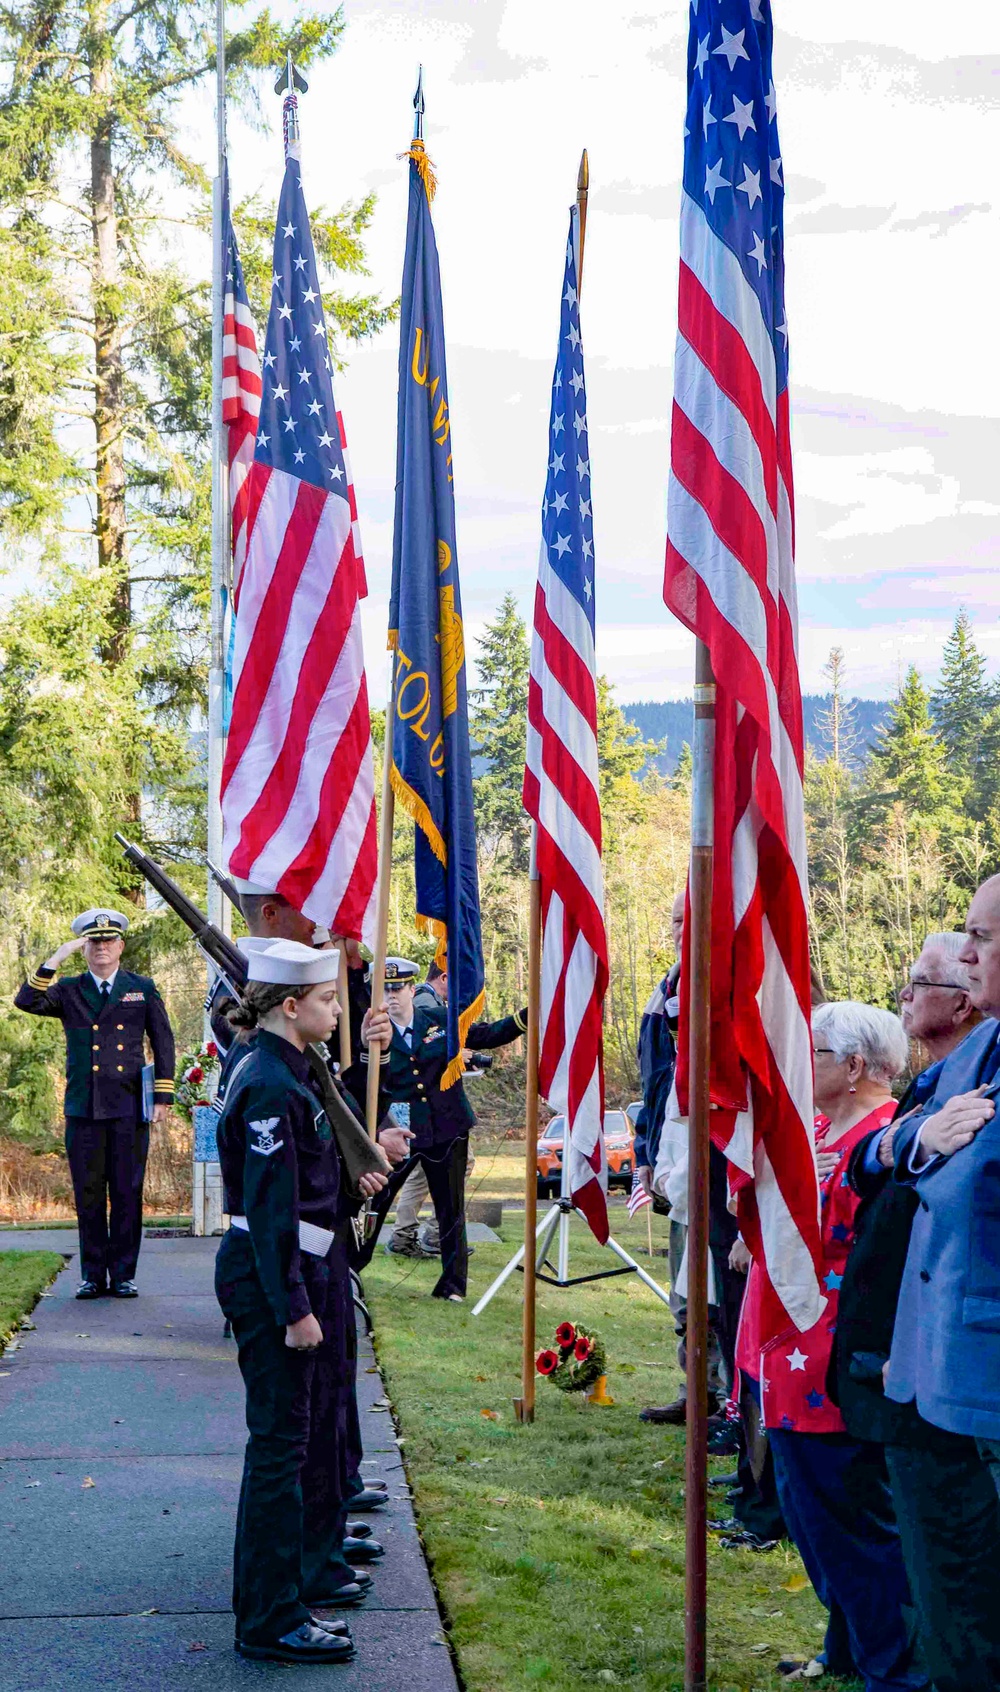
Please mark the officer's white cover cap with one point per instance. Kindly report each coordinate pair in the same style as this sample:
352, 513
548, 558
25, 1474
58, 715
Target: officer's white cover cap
286, 963
100, 920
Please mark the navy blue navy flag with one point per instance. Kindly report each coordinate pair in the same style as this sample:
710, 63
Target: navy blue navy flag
431, 770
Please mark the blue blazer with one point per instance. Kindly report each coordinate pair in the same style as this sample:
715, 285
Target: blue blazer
946, 1341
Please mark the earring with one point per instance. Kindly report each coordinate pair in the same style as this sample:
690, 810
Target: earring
852, 1088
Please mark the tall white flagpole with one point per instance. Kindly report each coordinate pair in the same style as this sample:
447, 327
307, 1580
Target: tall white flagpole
206, 1175
218, 909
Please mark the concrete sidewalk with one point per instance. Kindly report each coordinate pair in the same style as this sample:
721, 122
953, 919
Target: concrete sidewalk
121, 1449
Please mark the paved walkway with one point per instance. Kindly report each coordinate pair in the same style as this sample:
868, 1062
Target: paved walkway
121, 1448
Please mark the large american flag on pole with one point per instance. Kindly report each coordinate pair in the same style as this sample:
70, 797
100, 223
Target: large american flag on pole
560, 777
730, 579
241, 383
298, 799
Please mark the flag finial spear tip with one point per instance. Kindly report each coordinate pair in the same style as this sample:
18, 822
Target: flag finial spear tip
418, 106
583, 179
290, 78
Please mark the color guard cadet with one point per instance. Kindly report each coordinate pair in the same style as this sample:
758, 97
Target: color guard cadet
282, 1280
439, 1118
108, 1013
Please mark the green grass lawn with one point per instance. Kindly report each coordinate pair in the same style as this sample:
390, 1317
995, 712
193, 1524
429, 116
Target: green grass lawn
23, 1274
558, 1549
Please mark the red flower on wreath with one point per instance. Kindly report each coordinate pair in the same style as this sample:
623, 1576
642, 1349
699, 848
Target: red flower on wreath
547, 1362
212, 1049
582, 1349
565, 1334
195, 1073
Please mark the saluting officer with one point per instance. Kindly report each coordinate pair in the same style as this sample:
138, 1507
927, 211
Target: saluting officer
439, 1118
107, 1013
282, 1279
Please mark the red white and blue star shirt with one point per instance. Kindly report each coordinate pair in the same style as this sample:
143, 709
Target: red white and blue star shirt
792, 1367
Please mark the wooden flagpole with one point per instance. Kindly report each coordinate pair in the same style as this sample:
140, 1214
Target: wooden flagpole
698, 949
382, 903
524, 1407
344, 1020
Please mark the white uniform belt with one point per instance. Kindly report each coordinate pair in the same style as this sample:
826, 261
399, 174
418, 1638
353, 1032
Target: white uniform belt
316, 1241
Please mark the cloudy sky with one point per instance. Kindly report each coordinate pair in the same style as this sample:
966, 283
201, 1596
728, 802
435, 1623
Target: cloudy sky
890, 131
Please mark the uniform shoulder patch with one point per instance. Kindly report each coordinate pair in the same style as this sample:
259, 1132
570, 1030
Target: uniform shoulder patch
262, 1136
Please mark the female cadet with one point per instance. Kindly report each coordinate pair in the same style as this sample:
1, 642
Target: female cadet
282, 1280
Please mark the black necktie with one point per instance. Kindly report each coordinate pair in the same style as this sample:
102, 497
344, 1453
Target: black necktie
105, 990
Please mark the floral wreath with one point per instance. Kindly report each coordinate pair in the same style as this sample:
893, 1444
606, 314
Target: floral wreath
197, 1078
578, 1363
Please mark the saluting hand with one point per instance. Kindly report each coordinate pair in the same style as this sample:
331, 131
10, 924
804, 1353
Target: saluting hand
956, 1124
304, 1335
65, 951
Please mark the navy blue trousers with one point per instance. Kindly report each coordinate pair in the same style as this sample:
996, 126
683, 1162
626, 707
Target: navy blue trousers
835, 1498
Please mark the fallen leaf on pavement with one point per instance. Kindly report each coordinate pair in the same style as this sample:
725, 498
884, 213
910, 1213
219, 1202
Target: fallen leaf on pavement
81, 1336
33, 1483
146, 1612
87, 1482
796, 1583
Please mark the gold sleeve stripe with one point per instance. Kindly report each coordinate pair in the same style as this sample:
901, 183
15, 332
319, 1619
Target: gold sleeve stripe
163, 1086
520, 1021
39, 982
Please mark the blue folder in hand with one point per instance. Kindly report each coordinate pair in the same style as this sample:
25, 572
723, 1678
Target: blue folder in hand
147, 1092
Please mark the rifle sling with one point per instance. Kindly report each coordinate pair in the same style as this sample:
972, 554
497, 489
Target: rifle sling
359, 1151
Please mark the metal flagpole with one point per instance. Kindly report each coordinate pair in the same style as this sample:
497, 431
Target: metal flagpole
217, 907
206, 1182
699, 952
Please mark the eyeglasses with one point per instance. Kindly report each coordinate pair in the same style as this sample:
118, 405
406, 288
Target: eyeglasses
820, 1051
919, 982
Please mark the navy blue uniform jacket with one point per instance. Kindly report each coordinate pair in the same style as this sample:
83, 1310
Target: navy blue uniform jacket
104, 1042
280, 1164
411, 1074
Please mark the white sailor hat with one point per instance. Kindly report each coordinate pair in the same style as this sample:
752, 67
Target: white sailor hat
250, 943
286, 963
398, 969
100, 924
257, 889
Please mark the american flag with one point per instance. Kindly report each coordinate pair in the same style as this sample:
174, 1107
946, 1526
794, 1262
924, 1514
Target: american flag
638, 1198
241, 384
730, 578
298, 798
560, 777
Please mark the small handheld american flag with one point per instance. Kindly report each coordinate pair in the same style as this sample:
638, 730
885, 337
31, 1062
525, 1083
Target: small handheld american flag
561, 777
638, 1198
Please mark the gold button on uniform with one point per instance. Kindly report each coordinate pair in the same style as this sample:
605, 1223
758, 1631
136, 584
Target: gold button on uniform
121, 1048
94, 1026
96, 1068
121, 1025
120, 1068
96, 1046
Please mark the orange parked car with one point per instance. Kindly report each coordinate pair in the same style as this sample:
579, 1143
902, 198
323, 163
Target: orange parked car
617, 1145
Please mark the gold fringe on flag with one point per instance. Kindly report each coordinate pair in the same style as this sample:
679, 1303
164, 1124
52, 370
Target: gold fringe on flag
416, 808
417, 156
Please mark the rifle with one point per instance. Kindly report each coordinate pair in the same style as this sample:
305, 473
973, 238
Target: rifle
228, 887
360, 1153
222, 953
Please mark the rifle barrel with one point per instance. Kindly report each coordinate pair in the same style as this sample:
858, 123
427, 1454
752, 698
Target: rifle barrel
217, 946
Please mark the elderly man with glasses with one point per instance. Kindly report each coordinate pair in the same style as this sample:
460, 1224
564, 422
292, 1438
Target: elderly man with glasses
946, 1507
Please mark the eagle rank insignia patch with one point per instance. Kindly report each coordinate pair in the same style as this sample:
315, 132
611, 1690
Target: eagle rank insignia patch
263, 1139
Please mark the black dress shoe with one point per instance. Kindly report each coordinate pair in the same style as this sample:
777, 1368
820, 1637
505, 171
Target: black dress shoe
369, 1499
346, 1597
358, 1530
306, 1644
124, 1289
362, 1550
730, 1481
339, 1628
91, 1289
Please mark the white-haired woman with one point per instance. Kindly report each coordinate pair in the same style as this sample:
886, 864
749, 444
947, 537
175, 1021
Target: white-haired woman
834, 1490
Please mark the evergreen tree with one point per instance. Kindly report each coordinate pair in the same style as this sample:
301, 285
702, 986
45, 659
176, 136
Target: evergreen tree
104, 338
683, 775
498, 721
908, 760
962, 697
